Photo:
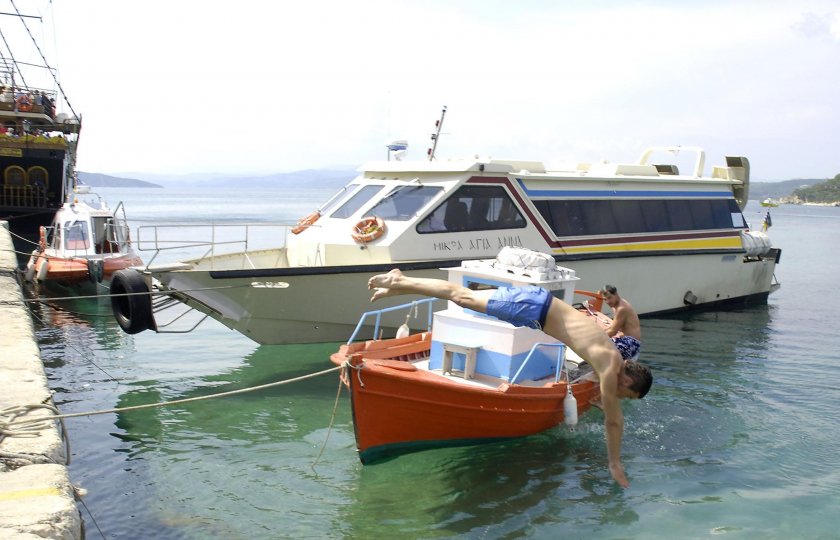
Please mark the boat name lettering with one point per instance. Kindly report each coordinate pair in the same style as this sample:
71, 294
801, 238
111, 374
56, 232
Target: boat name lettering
451, 245
482, 243
269, 285
514, 241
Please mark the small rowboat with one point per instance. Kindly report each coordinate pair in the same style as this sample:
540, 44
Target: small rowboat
472, 379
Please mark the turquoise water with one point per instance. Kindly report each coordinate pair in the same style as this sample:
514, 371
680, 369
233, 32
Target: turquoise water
737, 438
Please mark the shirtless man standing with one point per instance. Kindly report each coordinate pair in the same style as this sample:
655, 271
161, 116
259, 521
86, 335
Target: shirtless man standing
625, 329
536, 307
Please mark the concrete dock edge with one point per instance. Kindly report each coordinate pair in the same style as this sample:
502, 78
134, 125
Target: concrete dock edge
37, 499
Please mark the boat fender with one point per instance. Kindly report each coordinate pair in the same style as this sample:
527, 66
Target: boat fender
131, 302
29, 275
96, 270
368, 229
403, 331
570, 412
304, 223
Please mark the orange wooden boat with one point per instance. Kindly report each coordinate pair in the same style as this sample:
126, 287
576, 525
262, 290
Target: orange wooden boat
400, 405
473, 379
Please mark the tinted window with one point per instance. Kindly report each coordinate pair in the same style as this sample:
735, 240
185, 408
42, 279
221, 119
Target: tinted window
356, 201
404, 202
474, 208
601, 217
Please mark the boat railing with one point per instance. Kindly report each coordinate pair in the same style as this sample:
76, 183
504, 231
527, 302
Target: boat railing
377, 314
561, 359
204, 241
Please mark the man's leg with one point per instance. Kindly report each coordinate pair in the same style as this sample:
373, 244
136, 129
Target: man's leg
395, 283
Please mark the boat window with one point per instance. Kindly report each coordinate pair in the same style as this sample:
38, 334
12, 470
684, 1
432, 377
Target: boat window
404, 202
355, 202
602, 217
474, 208
75, 235
738, 220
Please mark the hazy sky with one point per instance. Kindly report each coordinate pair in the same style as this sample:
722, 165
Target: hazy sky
261, 87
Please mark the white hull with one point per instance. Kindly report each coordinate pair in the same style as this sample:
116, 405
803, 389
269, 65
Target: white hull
325, 307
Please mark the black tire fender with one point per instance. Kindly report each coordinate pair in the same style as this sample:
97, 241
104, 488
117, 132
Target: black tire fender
131, 302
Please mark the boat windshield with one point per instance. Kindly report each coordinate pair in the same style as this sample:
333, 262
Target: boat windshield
76, 235
356, 201
404, 202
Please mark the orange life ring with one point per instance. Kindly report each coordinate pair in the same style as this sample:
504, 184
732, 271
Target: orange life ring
304, 223
42, 239
368, 229
24, 104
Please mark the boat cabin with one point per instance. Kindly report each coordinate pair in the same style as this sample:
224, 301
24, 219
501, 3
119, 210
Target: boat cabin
471, 342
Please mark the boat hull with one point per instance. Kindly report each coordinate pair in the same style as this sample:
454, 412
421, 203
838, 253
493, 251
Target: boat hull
399, 408
76, 272
321, 304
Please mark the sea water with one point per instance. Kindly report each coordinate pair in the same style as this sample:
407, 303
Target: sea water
737, 439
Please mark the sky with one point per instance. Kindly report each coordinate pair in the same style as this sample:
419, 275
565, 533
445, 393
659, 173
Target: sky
251, 88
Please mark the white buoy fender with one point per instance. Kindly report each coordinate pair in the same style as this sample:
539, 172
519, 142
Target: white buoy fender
570, 412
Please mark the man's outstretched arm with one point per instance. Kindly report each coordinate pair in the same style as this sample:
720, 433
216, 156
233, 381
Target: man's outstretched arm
613, 425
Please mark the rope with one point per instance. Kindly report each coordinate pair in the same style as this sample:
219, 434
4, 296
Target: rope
36, 425
332, 418
181, 401
98, 296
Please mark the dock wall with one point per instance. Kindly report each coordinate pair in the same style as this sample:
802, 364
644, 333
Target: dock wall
37, 499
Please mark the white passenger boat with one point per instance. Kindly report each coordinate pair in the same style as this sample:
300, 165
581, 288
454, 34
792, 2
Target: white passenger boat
668, 240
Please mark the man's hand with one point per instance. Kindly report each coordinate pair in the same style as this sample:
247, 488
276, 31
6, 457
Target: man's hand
617, 472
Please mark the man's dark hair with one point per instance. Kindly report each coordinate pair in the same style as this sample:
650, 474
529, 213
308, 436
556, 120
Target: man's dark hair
641, 375
610, 289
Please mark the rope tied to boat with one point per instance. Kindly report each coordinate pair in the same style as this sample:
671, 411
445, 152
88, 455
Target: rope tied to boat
177, 401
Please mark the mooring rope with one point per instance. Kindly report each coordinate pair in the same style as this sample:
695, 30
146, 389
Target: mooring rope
179, 401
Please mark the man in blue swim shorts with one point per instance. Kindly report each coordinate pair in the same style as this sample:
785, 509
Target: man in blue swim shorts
625, 329
520, 306
618, 378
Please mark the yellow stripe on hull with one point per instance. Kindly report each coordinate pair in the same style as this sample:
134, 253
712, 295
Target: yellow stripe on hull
702, 243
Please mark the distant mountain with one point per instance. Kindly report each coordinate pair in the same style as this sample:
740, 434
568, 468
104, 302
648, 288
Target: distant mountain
311, 177
776, 190
103, 180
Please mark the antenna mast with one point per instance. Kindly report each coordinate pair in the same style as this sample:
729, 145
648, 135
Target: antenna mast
436, 134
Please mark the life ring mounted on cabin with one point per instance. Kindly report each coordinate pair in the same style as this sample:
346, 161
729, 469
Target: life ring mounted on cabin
24, 104
368, 229
305, 222
42, 239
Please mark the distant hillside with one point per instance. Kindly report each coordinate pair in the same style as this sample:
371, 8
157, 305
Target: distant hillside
327, 178
776, 190
103, 180
296, 179
827, 192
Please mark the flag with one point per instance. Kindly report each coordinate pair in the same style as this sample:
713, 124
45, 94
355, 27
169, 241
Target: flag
767, 222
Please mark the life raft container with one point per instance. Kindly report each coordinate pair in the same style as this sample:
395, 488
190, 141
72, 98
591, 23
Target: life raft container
304, 223
368, 229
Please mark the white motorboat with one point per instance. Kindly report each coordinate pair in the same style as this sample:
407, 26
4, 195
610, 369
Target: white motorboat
85, 244
668, 241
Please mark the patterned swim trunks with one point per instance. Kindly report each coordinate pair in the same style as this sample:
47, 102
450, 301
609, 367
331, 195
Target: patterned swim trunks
520, 306
629, 347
